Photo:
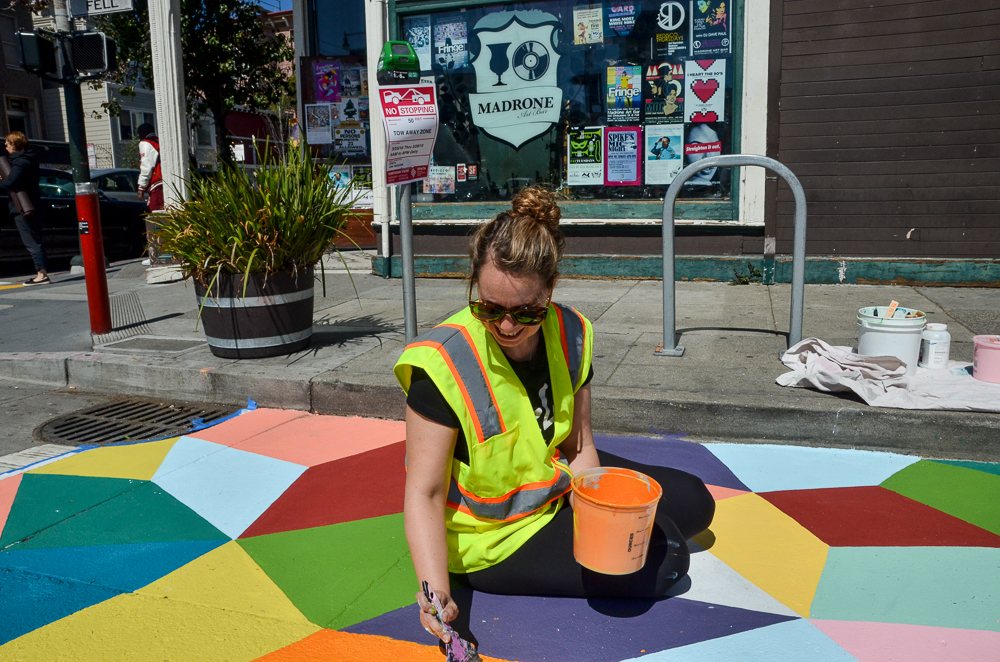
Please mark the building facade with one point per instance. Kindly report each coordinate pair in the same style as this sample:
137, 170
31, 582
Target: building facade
20, 91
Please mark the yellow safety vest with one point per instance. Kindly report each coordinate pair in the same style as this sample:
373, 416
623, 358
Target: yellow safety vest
512, 484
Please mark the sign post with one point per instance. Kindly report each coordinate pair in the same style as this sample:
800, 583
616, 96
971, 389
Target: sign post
410, 117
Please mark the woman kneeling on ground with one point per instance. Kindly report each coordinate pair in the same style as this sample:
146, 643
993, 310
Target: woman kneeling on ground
498, 421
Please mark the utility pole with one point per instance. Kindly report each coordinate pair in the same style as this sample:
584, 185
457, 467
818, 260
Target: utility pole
171, 105
88, 209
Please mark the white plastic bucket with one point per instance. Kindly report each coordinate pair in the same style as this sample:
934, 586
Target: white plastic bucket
897, 336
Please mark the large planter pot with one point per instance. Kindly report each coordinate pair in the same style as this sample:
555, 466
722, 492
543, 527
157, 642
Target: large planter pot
273, 318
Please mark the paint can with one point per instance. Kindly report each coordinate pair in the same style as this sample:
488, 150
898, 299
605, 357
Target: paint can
986, 358
613, 514
897, 336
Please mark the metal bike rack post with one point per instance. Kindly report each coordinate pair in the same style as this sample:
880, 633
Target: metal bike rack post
409, 283
669, 346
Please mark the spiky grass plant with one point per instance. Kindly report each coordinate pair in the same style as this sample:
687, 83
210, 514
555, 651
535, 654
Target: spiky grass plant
281, 217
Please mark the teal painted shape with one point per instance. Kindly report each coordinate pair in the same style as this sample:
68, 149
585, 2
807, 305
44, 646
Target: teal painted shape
792, 641
146, 513
988, 467
774, 467
954, 587
697, 210
44, 500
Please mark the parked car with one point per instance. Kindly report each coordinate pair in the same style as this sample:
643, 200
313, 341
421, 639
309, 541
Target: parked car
122, 221
117, 183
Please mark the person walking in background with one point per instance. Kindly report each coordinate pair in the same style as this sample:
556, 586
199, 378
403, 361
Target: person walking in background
23, 178
150, 174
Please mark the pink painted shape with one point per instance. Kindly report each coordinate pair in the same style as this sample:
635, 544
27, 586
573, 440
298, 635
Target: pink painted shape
719, 493
244, 426
312, 439
891, 642
8, 489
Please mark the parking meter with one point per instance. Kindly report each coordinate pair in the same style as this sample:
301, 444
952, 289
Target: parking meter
398, 64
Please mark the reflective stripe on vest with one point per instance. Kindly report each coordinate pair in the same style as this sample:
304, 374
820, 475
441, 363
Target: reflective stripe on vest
572, 329
462, 357
525, 500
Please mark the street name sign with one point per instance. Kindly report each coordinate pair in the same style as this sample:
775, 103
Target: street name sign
410, 117
97, 7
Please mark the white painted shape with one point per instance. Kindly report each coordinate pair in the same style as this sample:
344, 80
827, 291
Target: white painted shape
791, 641
230, 488
171, 107
772, 468
714, 582
753, 135
376, 21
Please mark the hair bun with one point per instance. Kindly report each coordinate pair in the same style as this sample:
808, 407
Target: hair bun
537, 204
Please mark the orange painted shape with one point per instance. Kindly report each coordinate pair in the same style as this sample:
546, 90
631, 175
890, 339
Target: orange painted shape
327, 645
8, 489
310, 440
719, 493
244, 426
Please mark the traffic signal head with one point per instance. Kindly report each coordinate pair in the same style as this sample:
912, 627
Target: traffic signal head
38, 54
93, 53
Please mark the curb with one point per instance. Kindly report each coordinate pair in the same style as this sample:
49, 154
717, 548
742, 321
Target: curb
829, 421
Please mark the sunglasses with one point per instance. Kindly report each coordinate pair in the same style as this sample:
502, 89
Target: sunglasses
524, 315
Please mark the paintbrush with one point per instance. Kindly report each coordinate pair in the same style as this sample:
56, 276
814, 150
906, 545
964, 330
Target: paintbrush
457, 649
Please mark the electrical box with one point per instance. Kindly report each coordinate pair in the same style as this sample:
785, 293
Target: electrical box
38, 54
398, 64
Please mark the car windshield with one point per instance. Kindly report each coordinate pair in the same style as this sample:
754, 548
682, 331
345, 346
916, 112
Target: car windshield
56, 185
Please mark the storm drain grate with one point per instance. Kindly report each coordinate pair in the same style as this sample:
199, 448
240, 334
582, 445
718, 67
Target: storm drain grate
132, 419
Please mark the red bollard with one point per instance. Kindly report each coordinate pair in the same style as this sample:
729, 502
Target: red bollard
88, 213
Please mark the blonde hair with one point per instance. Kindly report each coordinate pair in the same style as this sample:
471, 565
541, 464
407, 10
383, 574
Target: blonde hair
18, 141
524, 240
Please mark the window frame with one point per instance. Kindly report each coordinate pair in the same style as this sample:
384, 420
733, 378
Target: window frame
700, 212
14, 63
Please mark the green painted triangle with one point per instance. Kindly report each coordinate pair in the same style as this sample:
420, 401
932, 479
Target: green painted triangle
44, 500
144, 513
988, 467
968, 494
341, 574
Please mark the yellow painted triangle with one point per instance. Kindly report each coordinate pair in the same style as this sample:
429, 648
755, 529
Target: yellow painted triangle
220, 606
767, 547
135, 461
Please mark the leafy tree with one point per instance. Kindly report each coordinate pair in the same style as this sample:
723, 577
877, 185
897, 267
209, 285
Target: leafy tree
228, 60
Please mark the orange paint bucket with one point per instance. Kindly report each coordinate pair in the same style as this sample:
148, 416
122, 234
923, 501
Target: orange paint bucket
613, 511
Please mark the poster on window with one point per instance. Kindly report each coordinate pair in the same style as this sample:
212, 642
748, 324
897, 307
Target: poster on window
622, 157
589, 25
417, 31
440, 180
702, 142
663, 93
340, 175
624, 94
350, 82
705, 91
318, 124
671, 37
349, 109
326, 76
585, 156
350, 139
664, 152
451, 39
710, 28
361, 178
619, 18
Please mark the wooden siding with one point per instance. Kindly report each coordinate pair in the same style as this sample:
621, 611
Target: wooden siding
889, 114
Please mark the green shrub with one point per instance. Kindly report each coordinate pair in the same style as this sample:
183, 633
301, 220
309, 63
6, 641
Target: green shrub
280, 217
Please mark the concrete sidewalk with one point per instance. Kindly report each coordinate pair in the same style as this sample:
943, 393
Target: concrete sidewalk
722, 388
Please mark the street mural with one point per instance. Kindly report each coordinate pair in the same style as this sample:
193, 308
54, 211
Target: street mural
278, 535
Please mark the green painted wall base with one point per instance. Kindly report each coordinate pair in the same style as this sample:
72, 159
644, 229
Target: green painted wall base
723, 268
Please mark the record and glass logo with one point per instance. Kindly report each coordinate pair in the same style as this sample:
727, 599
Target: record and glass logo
518, 98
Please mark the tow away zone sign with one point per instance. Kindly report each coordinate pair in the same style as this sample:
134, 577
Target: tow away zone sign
410, 116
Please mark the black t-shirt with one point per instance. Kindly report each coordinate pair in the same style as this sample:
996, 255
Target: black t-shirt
425, 398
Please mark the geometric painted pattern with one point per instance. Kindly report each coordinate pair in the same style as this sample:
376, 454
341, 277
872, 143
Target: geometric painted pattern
278, 536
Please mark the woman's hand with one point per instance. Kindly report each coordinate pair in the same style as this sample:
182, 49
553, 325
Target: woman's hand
427, 613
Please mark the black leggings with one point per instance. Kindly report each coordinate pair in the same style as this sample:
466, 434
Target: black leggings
545, 565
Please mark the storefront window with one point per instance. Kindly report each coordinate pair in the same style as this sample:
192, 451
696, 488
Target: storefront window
603, 101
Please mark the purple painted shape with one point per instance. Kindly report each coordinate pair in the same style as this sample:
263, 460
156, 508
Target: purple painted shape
673, 452
572, 629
